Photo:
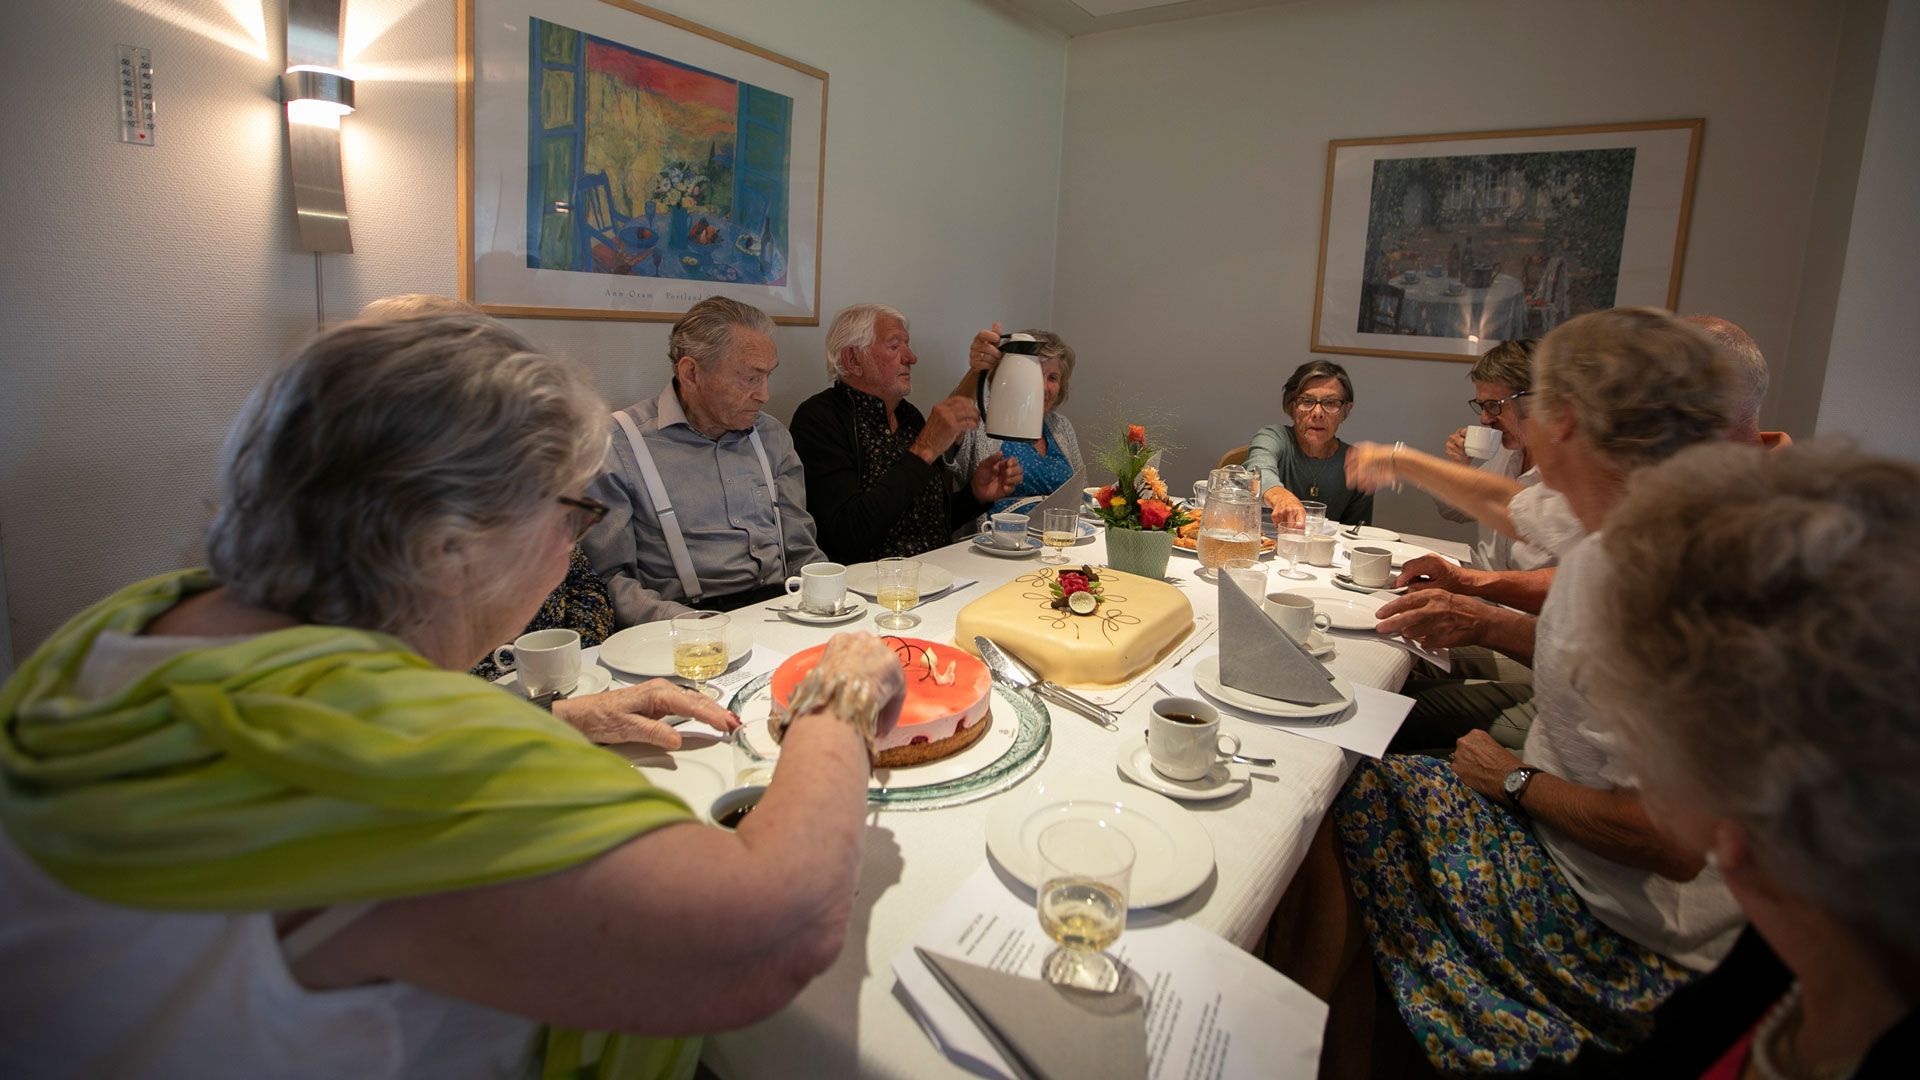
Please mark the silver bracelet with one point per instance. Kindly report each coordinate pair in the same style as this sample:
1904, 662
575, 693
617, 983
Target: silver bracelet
850, 698
1393, 462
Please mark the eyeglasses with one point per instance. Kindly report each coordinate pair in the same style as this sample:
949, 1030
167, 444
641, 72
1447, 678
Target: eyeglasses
1331, 404
1490, 406
1518, 402
594, 510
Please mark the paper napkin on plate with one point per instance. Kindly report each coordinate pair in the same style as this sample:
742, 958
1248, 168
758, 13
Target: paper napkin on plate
1259, 657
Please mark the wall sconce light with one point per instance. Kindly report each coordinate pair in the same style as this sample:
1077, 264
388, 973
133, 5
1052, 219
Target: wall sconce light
317, 95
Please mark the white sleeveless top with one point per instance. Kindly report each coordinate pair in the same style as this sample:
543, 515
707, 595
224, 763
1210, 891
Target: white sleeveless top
99, 990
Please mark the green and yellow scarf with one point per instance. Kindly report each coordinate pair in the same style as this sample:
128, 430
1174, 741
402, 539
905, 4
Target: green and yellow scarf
304, 768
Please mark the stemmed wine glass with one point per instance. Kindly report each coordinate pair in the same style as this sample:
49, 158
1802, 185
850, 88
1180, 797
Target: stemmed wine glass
1058, 530
700, 647
1085, 867
1291, 543
897, 588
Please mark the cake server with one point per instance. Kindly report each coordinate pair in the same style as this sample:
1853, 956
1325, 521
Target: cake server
1005, 668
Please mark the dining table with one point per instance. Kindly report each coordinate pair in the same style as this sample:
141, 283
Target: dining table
852, 1020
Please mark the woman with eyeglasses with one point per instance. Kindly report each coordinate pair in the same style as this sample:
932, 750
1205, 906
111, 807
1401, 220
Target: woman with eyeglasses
258, 819
1305, 459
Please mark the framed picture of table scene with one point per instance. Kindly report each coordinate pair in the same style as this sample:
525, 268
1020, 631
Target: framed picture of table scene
1437, 247
618, 162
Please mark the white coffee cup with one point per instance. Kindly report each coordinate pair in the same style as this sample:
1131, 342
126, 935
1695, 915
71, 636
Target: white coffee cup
731, 807
1295, 614
1006, 530
822, 586
1371, 566
1482, 442
547, 660
1189, 747
1319, 549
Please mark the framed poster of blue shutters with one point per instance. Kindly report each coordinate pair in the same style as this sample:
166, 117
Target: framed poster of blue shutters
618, 162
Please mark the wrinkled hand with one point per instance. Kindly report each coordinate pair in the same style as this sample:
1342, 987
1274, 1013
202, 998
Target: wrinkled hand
1434, 619
1457, 447
984, 354
1434, 572
950, 419
1369, 466
997, 477
1284, 506
631, 714
865, 657
1483, 764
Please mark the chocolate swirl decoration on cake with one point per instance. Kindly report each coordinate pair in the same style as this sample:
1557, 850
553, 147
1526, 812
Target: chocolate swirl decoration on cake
919, 662
1109, 616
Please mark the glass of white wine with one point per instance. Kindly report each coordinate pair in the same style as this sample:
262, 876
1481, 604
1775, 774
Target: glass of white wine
896, 586
1058, 530
1085, 866
700, 647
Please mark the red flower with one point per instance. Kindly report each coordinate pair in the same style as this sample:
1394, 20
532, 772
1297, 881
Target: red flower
1105, 497
1154, 513
1136, 435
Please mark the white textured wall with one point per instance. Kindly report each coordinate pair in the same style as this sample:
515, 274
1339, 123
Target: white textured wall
145, 289
1873, 364
1195, 162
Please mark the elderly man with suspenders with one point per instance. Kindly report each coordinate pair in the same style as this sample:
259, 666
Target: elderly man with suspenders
707, 499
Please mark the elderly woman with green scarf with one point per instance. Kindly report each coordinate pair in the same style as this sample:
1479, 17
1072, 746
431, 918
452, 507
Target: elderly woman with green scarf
259, 821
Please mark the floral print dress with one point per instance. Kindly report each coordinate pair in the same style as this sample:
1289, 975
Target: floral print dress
1494, 961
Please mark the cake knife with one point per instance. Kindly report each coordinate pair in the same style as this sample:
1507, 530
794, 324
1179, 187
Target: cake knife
1006, 669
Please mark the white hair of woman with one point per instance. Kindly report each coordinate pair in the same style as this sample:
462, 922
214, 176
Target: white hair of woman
381, 441
855, 328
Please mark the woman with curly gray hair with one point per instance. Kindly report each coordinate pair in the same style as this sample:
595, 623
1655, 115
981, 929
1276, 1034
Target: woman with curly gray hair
259, 821
1774, 601
1521, 907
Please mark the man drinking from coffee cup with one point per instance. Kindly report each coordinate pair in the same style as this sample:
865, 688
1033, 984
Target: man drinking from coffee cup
707, 499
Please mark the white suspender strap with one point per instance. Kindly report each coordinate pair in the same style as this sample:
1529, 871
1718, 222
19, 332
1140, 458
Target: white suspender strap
773, 492
662, 508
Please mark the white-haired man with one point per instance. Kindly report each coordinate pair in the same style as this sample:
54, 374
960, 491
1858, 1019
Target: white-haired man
706, 498
876, 471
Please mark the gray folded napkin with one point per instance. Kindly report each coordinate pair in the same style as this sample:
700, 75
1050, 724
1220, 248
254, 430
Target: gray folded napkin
1048, 1032
1259, 657
1067, 496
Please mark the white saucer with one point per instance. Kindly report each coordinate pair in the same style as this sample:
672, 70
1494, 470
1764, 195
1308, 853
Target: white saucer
1318, 645
1207, 677
851, 608
648, 649
934, 580
594, 679
1173, 855
1136, 764
1368, 532
985, 546
1343, 581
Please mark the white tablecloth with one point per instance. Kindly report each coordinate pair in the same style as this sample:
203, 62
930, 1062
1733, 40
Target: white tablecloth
848, 1022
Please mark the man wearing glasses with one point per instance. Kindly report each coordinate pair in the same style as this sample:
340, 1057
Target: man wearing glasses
706, 499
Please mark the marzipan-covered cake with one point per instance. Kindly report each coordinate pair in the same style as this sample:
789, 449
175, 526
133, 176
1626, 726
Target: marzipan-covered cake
1080, 626
946, 707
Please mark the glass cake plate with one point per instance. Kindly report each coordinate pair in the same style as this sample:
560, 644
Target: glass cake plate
1006, 754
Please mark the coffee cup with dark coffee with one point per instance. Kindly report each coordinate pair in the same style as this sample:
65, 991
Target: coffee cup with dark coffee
1184, 741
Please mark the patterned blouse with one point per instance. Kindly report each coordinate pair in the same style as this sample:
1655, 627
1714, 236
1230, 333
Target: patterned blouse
924, 526
580, 603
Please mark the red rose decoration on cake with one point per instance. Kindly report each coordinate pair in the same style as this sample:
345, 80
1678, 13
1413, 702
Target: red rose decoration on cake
1072, 581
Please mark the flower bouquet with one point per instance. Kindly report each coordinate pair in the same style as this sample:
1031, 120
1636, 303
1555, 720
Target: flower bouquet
1140, 519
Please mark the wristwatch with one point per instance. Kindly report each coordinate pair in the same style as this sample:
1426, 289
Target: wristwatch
1515, 785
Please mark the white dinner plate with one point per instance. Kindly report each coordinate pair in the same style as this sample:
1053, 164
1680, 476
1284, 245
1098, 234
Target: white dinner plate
695, 781
1087, 530
1368, 532
647, 649
1207, 677
1347, 610
1172, 854
934, 580
1136, 764
851, 607
594, 679
985, 546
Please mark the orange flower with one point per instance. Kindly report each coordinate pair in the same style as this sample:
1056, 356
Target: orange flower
1154, 514
1150, 476
1136, 435
1105, 497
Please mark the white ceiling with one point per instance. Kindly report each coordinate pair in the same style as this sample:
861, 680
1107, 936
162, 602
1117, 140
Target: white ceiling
1076, 17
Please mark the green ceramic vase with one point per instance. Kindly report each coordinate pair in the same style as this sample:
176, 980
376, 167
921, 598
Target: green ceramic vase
1136, 552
